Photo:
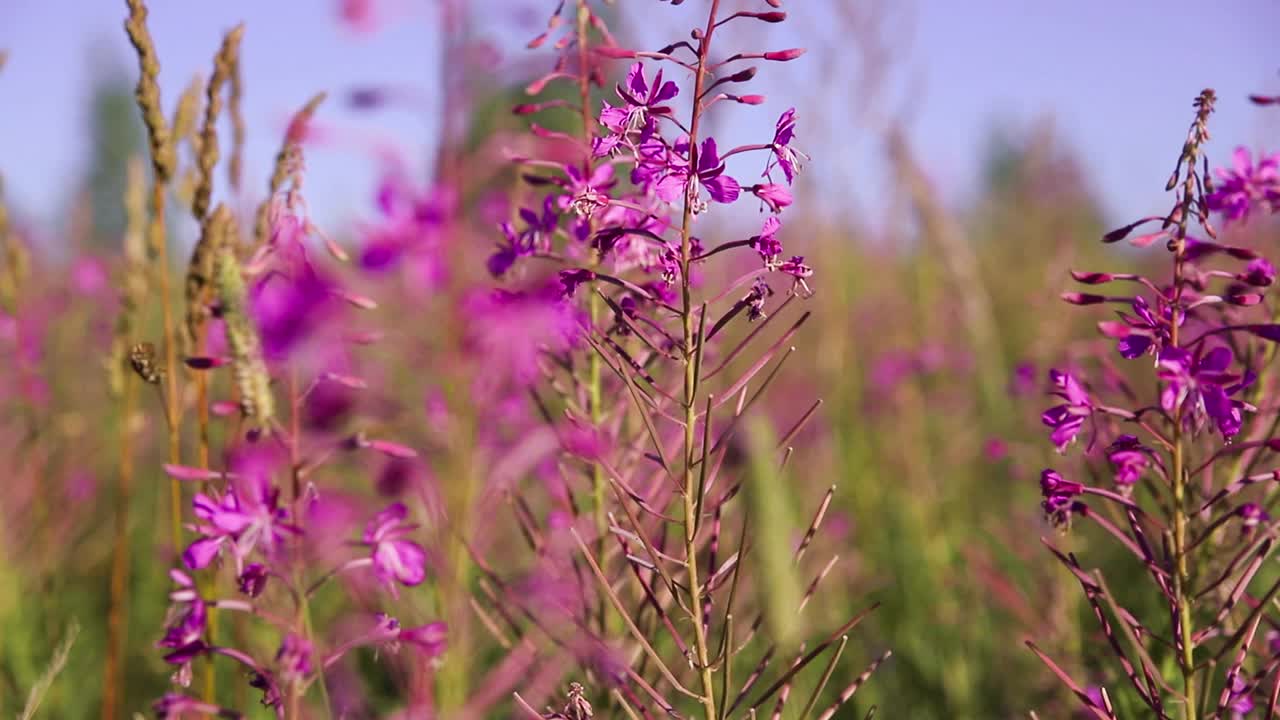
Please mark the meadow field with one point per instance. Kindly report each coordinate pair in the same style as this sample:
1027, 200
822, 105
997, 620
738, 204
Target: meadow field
688, 366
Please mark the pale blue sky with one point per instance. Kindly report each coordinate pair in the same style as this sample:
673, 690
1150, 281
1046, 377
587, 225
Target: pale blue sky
1118, 76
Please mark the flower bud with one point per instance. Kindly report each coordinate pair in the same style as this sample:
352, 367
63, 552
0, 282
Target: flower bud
784, 55
612, 51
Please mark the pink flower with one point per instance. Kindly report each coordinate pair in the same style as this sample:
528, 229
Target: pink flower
1245, 186
395, 559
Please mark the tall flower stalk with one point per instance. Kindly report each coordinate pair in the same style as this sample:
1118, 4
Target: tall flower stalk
631, 251
1180, 442
162, 166
693, 349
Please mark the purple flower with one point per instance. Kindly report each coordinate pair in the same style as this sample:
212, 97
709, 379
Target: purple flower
586, 195
767, 243
242, 520
1058, 496
1095, 696
1259, 273
1246, 185
411, 222
431, 639
253, 580
288, 309
185, 623
510, 331
660, 169
175, 705
785, 156
760, 291
640, 101
796, 268
1140, 333
1202, 385
572, 278
506, 255
327, 406
1067, 419
1251, 516
1129, 458
775, 196
294, 658
1241, 698
535, 238
667, 172
395, 559
721, 187
1024, 379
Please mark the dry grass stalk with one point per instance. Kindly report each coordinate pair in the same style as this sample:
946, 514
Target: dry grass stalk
163, 159
16, 259
235, 95
133, 293
59, 661
186, 128
224, 64
148, 91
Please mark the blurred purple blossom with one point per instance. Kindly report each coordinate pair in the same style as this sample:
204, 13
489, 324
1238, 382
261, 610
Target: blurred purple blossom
395, 558
1067, 419
1246, 186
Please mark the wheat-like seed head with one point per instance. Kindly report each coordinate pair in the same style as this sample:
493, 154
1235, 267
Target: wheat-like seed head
248, 367
163, 157
224, 62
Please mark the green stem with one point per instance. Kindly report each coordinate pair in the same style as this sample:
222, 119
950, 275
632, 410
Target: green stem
598, 499
691, 502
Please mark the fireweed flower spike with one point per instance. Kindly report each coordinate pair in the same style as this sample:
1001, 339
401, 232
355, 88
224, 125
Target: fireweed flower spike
281, 327
637, 371
1188, 442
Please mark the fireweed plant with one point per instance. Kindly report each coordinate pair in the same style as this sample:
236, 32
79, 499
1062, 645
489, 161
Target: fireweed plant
1176, 449
609, 375
650, 406
269, 314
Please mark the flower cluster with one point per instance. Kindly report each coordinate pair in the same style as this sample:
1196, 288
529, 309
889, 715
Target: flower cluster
1183, 434
634, 381
282, 320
